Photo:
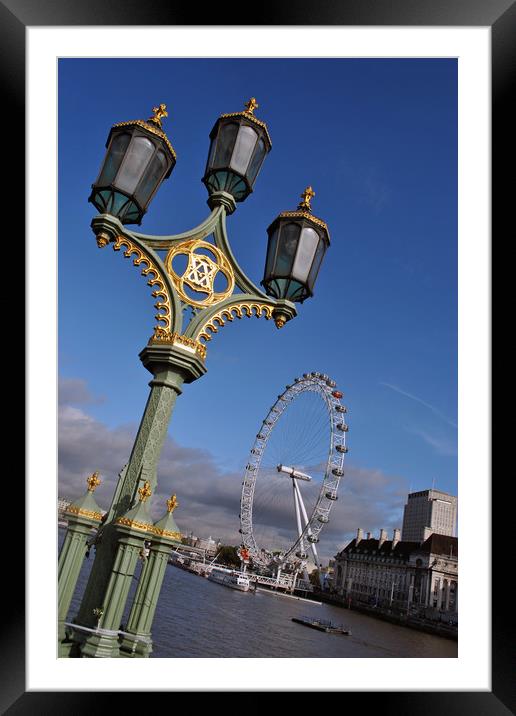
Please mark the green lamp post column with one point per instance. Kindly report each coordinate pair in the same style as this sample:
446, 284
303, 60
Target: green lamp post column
83, 515
132, 528
171, 366
136, 641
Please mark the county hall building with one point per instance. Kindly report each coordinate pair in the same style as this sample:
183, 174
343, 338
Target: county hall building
416, 569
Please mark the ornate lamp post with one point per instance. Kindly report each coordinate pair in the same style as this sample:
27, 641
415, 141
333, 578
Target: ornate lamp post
139, 158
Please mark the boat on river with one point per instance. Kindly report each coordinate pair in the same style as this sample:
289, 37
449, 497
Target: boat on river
322, 625
230, 578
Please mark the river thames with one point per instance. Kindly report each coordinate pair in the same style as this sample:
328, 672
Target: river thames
198, 618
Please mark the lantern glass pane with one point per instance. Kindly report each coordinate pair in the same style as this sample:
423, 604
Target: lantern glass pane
271, 253
113, 158
286, 249
152, 177
245, 143
136, 159
305, 254
256, 161
319, 254
225, 143
295, 291
213, 146
118, 203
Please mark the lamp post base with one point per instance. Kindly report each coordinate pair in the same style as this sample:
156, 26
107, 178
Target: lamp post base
136, 646
100, 646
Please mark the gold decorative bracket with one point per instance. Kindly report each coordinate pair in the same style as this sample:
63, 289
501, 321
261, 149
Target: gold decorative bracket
212, 309
156, 280
247, 308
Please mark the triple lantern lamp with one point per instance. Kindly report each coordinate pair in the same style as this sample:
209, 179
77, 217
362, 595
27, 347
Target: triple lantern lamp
140, 157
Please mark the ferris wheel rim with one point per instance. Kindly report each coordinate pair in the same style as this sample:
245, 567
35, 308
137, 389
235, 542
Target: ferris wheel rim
325, 387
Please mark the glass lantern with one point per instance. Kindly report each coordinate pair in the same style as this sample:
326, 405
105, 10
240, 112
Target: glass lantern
297, 244
239, 145
139, 158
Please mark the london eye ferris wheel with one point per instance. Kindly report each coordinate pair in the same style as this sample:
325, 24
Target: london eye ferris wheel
293, 473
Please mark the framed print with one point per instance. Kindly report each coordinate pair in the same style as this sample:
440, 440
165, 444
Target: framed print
87, 73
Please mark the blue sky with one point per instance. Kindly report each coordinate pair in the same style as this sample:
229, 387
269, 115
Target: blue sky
377, 140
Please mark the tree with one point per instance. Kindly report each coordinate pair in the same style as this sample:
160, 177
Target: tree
228, 555
314, 578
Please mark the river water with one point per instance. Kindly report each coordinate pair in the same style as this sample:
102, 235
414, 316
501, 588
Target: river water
199, 618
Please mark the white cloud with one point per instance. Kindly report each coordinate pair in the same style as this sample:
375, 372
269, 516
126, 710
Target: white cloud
209, 496
74, 391
441, 444
422, 402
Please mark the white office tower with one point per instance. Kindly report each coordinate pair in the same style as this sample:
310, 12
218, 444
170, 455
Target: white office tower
429, 512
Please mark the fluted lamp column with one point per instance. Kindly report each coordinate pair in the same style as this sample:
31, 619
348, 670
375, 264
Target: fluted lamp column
83, 516
164, 534
170, 367
132, 530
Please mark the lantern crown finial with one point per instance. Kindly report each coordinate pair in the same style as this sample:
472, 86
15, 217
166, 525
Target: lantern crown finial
172, 503
93, 482
251, 105
145, 491
307, 197
159, 112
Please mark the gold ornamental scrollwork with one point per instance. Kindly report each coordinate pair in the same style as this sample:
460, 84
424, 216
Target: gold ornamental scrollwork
134, 524
247, 308
84, 513
200, 273
147, 527
156, 281
161, 337
164, 533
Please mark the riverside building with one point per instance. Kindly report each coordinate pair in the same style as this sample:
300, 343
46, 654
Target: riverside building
62, 505
209, 545
400, 574
428, 512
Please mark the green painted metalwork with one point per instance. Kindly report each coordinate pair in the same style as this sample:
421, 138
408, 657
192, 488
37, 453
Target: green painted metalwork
83, 516
108, 613
171, 367
242, 281
173, 360
137, 638
202, 231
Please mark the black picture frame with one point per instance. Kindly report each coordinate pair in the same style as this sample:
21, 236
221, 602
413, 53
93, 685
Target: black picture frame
500, 16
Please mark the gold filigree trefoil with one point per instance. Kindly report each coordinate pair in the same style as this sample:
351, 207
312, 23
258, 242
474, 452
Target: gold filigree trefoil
93, 482
200, 273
